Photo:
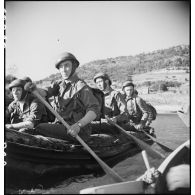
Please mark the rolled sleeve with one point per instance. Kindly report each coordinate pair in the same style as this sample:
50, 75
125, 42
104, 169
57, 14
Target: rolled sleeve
144, 108
36, 112
89, 101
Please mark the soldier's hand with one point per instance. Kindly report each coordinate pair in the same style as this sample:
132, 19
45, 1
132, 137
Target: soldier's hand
56, 88
9, 126
30, 86
151, 175
74, 130
139, 127
114, 119
103, 120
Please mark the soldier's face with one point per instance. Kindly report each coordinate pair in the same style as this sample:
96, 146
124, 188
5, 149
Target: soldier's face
17, 93
100, 84
65, 69
129, 90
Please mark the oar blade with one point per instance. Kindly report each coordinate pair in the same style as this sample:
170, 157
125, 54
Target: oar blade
162, 145
142, 145
165, 148
153, 153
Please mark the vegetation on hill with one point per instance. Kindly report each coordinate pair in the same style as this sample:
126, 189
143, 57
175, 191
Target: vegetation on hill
173, 84
122, 67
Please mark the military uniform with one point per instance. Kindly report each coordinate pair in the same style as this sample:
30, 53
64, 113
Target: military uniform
115, 106
137, 109
72, 101
33, 111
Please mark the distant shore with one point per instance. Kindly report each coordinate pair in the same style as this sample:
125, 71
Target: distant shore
167, 109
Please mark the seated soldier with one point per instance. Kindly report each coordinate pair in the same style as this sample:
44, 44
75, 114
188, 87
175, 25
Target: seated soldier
136, 106
115, 105
25, 112
74, 101
8, 94
50, 116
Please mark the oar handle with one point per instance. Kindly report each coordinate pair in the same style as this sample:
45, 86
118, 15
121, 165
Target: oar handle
104, 166
144, 155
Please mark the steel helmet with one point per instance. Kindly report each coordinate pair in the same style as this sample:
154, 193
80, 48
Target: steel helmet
102, 75
27, 79
17, 83
127, 83
66, 56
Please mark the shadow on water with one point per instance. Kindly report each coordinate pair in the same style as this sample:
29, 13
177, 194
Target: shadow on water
16, 183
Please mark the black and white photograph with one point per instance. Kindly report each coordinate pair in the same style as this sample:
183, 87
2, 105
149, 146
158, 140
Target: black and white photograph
97, 97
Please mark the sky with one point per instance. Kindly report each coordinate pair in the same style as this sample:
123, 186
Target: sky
37, 32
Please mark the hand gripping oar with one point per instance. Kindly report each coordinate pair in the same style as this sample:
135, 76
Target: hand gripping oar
163, 146
142, 145
104, 166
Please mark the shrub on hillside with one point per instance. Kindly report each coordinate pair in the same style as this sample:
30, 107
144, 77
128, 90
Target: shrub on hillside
173, 84
9, 78
163, 87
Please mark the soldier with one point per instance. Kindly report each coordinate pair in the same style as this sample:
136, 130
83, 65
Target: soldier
50, 116
74, 101
115, 106
137, 108
25, 112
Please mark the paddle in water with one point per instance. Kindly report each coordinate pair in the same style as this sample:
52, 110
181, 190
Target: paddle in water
162, 145
142, 145
104, 166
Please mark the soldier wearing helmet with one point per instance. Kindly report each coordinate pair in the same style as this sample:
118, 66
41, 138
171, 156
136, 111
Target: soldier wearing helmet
25, 112
115, 106
73, 100
138, 110
27, 79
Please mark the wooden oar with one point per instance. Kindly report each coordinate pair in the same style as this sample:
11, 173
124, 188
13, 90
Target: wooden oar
146, 162
163, 146
104, 166
142, 145
185, 117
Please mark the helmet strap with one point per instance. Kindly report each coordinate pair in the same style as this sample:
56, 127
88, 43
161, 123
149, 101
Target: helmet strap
24, 94
74, 67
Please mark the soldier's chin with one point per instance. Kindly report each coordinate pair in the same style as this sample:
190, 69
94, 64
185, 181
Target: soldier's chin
17, 98
101, 88
65, 77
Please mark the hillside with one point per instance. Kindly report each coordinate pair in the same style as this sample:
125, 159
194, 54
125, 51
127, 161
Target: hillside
122, 67
169, 67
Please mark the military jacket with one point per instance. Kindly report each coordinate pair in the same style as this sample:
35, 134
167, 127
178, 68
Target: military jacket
73, 100
137, 109
115, 105
33, 111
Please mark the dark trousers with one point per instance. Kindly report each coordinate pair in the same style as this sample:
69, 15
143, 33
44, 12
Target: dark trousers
59, 131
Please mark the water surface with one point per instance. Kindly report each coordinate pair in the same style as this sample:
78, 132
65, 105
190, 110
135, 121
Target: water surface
169, 129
